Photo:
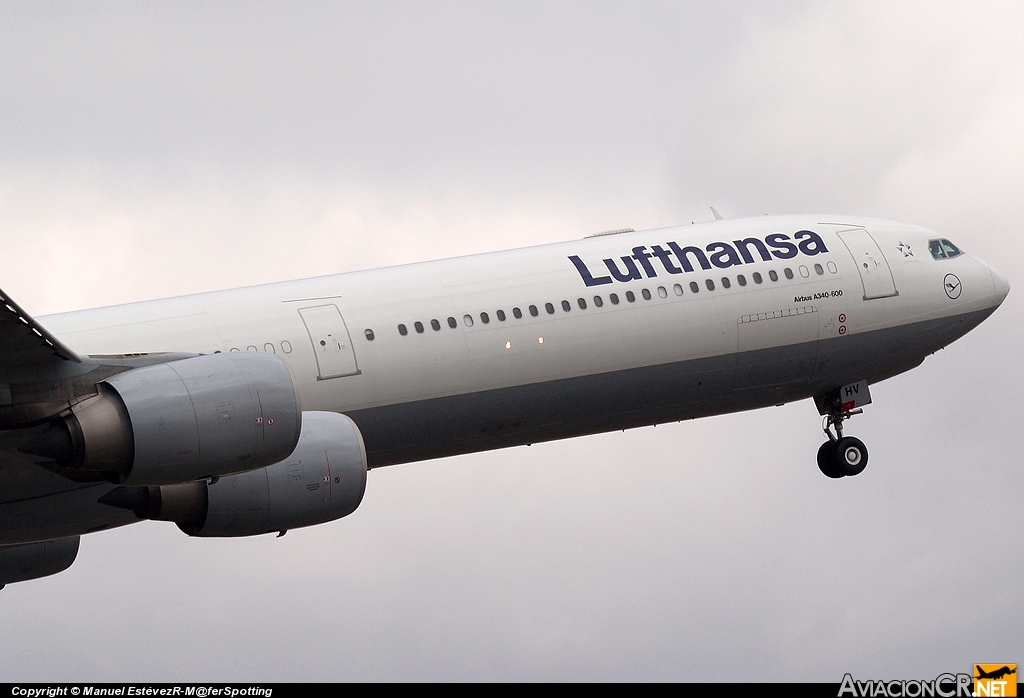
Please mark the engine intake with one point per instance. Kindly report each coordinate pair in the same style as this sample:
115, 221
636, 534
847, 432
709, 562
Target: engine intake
205, 416
322, 480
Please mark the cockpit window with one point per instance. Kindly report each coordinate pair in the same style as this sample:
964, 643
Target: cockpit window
950, 249
943, 249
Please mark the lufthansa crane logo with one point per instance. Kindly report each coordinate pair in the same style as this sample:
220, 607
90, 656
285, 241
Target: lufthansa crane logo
951, 284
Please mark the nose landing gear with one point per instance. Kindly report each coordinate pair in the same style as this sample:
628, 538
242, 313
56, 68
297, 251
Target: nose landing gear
841, 455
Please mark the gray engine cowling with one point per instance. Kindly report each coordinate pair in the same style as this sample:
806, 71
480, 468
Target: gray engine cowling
205, 416
20, 563
322, 480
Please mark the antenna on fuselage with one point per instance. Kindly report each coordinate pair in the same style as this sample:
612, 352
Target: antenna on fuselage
718, 216
620, 231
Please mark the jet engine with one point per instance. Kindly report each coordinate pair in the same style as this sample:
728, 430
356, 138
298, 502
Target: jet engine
322, 480
20, 563
206, 416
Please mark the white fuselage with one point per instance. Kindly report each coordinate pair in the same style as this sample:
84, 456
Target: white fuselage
782, 339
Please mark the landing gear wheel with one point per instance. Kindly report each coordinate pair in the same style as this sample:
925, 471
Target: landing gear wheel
828, 464
851, 455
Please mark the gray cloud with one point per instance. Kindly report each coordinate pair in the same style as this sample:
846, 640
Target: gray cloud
158, 149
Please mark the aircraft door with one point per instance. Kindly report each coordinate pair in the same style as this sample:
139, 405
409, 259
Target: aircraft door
875, 275
332, 344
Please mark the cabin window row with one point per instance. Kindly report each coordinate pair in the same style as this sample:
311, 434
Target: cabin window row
268, 347
614, 299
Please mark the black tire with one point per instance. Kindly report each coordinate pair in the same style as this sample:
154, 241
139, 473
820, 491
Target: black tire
827, 462
851, 455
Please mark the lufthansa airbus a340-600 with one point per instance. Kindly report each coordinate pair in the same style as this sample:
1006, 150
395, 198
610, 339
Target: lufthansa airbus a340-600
258, 410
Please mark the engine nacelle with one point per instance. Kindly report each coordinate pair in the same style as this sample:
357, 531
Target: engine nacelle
20, 563
206, 416
323, 480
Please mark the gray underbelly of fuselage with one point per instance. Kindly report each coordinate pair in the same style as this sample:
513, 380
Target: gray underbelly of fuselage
546, 411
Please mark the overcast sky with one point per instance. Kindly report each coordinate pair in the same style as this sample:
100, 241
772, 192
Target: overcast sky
155, 149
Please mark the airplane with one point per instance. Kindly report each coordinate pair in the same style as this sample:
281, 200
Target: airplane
995, 674
258, 410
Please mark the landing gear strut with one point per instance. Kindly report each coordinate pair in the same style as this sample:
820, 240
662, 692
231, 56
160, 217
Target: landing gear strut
840, 455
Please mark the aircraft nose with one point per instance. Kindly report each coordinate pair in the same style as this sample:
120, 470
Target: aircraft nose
1000, 285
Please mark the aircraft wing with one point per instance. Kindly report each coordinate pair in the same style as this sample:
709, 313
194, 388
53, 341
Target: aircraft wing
25, 344
40, 375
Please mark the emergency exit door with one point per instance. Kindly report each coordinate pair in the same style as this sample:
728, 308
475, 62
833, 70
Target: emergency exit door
875, 274
332, 344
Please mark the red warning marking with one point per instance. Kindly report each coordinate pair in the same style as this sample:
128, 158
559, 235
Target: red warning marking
842, 329
260, 420
842, 317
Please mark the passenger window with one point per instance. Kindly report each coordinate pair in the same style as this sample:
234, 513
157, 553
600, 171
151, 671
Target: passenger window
452, 323
772, 275
833, 268
581, 303
614, 298
550, 308
935, 247
367, 333
403, 330
804, 272
286, 346
710, 284
517, 313
419, 326
533, 311
818, 270
485, 318
501, 315
678, 289
251, 347
566, 306
269, 348
662, 293
725, 282
598, 301
435, 325
741, 280
789, 272
950, 249
630, 297
467, 320
646, 294
694, 287
757, 277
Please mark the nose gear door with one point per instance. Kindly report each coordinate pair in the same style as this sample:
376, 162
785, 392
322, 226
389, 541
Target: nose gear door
875, 274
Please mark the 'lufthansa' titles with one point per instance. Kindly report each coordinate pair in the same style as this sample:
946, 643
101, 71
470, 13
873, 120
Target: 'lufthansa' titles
680, 260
